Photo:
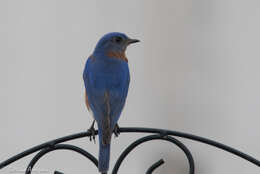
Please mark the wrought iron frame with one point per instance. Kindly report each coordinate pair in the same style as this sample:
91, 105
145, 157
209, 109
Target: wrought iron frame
157, 134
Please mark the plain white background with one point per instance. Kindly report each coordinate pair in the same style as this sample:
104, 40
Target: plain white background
196, 70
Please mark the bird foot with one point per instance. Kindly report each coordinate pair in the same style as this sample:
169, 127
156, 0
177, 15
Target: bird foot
92, 132
116, 130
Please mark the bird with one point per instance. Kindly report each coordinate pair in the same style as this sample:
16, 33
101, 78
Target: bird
106, 77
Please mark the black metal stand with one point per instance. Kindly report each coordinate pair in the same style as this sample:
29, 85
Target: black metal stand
158, 134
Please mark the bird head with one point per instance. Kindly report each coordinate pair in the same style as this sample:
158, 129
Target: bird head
114, 42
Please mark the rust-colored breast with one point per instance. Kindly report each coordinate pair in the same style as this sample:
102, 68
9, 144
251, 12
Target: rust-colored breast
117, 55
86, 100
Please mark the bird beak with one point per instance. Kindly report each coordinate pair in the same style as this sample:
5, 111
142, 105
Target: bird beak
130, 41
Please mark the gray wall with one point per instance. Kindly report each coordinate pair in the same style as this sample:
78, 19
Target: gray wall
196, 70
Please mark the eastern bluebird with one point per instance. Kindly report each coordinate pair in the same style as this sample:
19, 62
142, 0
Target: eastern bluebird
106, 77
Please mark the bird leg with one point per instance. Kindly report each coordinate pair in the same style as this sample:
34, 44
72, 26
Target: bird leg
116, 130
92, 131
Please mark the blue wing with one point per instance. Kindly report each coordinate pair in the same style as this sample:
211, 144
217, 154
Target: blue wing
106, 89
118, 98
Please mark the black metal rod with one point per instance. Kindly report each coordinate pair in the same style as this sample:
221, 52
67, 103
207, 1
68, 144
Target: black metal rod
133, 129
195, 138
57, 172
154, 137
44, 145
154, 166
59, 147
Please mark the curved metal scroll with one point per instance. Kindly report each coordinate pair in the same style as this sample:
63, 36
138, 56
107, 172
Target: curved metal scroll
59, 147
154, 137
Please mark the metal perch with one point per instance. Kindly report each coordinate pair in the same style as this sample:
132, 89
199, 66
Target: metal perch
157, 134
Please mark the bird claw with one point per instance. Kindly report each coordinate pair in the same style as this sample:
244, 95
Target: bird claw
92, 136
92, 132
116, 130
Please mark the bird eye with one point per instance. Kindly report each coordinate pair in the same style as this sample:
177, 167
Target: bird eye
117, 39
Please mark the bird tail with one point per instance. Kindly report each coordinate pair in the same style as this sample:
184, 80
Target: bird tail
104, 134
104, 156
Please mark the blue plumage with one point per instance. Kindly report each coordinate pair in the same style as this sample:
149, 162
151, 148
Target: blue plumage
106, 77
